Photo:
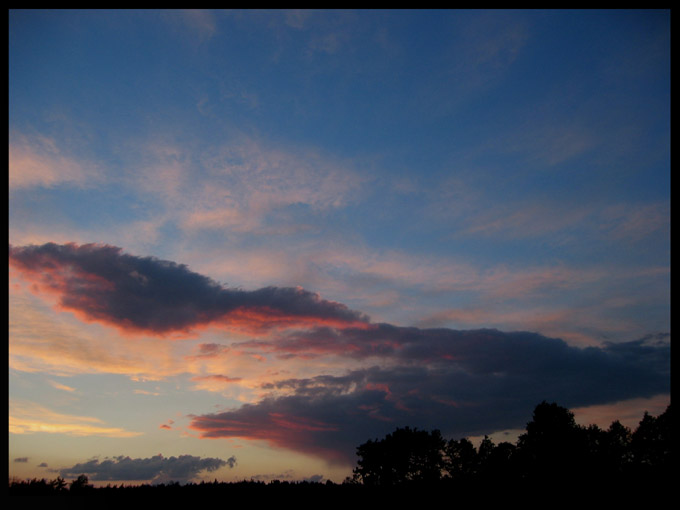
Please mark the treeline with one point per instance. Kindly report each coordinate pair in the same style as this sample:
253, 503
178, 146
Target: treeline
82, 487
554, 451
553, 454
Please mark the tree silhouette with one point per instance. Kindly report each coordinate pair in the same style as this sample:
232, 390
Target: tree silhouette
404, 456
461, 459
80, 485
553, 448
617, 451
58, 484
496, 461
650, 444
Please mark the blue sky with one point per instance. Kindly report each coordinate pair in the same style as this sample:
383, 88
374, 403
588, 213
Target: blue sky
382, 204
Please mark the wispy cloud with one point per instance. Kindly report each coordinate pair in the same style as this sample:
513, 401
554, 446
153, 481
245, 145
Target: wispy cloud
217, 378
216, 382
41, 340
297, 18
38, 161
484, 48
492, 49
635, 223
61, 386
249, 182
30, 418
244, 186
195, 25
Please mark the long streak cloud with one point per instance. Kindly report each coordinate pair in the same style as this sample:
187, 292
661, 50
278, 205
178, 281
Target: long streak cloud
144, 294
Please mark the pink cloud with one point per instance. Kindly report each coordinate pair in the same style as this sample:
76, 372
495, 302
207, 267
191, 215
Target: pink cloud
39, 162
278, 428
217, 378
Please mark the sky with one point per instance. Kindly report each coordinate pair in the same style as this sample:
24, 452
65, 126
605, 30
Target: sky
242, 243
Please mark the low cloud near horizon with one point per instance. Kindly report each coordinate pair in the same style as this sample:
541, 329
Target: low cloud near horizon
157, 469
463, 382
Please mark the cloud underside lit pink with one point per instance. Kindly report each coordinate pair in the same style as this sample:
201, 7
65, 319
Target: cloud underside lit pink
488, 381
146, 295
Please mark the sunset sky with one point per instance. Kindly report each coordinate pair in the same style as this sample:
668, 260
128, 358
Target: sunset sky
242, 243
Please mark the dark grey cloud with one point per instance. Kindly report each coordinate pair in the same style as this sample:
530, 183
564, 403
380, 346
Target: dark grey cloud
21, 459
288, 474
314, 479
101, 283
487, 353
156, 469
461, 382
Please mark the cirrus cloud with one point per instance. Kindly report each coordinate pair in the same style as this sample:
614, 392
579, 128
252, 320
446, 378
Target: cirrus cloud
39, 162
30, 418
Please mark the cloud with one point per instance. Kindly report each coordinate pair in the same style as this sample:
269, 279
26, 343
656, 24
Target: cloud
157, 469
60, 386
41, 340
211, 350
244, 186
21, 459
288, 474
251, 187
167, 426
38, 162
490, 51
146, 295
217, 378
464, 382
296, 18
636, 223
30, 418
461, 382
193, 25
473, 348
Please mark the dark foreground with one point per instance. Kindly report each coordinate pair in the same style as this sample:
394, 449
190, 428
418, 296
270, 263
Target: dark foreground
556, 463
533, 494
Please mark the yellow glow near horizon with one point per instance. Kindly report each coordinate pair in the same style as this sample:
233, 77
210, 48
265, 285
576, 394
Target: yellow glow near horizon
27, 418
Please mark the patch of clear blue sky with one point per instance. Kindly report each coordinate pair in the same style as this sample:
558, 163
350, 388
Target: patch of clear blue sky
425, 90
